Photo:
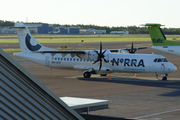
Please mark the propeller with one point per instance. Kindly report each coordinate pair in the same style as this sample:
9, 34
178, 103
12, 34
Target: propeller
100, 56
132, 50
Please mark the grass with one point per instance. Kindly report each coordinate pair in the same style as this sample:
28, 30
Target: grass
86, 38
74, 36
9, 41
94, 38
12, 50
102, 35
78, 40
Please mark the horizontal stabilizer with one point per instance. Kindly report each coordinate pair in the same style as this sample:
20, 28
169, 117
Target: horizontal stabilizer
152, 24
18, 25
15, 27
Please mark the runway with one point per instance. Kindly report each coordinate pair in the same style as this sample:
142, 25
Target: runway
142, 97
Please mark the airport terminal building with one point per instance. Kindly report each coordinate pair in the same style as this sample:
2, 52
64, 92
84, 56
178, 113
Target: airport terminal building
39, 28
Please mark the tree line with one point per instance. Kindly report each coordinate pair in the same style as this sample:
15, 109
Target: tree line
131, 29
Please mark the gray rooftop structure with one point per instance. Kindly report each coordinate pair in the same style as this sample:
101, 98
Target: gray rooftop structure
25, 97
81, 105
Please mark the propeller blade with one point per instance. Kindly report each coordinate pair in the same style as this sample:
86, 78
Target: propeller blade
100, 65
104, 51
105, 60
132, 49
96, 61
100, 48
100, 56
96, 52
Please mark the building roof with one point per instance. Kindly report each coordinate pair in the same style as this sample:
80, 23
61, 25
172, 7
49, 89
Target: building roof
25, 97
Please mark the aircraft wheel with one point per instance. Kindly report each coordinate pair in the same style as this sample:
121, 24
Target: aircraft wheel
87, 74
164, 78
103, 74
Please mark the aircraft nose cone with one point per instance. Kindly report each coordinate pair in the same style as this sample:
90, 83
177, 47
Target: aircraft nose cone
173, 68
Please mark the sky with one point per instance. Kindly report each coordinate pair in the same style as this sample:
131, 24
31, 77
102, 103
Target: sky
97, 12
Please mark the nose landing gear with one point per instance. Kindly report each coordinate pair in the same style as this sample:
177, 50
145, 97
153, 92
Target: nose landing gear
164, 76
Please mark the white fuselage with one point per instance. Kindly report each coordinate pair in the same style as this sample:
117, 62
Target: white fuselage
169, 49
134, 63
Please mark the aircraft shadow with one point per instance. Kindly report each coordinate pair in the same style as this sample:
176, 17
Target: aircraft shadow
175, 85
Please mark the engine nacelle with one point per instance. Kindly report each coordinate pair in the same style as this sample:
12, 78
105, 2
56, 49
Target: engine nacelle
123, 51
90, 55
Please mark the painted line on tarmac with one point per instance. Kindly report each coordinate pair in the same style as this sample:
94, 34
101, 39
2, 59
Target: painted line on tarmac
157, 114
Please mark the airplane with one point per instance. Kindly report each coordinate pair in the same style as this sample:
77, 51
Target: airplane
91, 61
54, 32
159, 40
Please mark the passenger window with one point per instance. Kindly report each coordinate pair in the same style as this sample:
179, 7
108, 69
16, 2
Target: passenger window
61, 59
77, 59
84, 60
64, 59
67, 59
70, 59
55, 58
74, 59
155, 60
80, 59
58, 58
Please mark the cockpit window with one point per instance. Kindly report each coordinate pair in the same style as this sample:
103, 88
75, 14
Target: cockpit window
160, 60
164, 60
155, 60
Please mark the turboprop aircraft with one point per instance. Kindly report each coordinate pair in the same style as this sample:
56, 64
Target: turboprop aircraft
91, 61
54, 32
159, 40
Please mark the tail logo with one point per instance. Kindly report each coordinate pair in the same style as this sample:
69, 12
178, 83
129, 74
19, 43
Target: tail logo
30, 46
157, 40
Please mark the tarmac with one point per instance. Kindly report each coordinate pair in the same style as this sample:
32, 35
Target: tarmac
141, 97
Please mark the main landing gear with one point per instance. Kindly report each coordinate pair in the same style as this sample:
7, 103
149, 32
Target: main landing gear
103, 74
87, 74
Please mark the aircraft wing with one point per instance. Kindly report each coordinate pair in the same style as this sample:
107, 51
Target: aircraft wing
64, 53
70, 52
127, 49
83, 52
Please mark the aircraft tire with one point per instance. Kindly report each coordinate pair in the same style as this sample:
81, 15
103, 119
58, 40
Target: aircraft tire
164, 78
103, 74
87, 74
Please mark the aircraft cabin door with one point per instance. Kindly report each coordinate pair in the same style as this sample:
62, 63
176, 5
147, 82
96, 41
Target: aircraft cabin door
164, 67
47, 61
161, 63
